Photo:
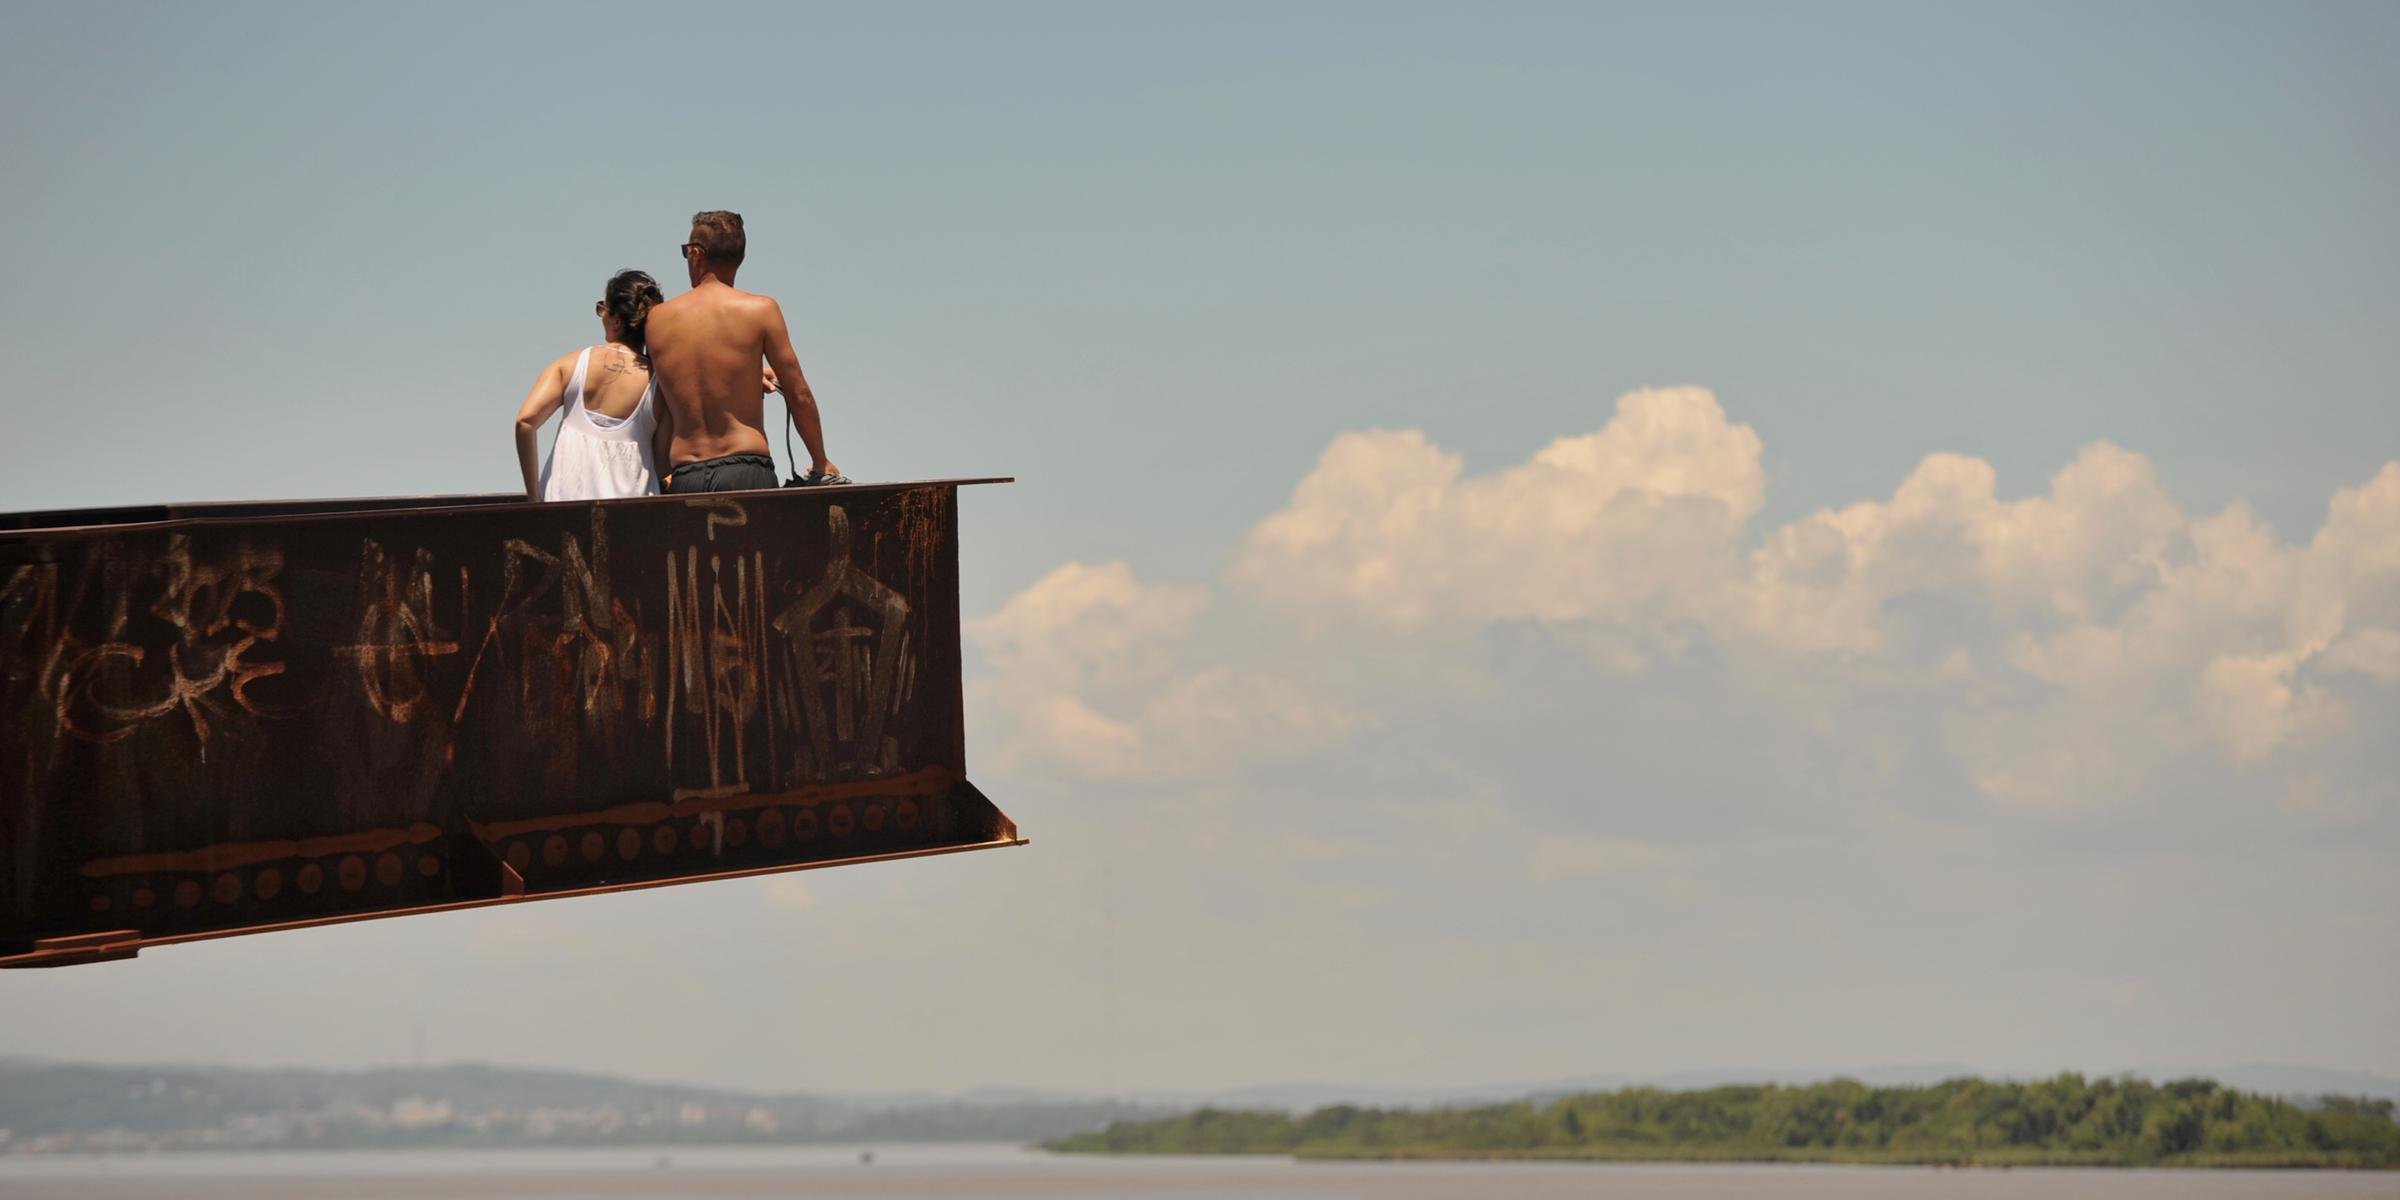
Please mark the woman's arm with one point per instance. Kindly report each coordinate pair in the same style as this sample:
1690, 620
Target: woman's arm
549, 391
662, 441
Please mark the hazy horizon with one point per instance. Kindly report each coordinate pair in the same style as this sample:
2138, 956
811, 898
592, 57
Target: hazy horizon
2269, 1078
2244, 1075
1634, 537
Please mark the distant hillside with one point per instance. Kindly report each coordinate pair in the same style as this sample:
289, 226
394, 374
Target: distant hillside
55, 1107
2066, 1120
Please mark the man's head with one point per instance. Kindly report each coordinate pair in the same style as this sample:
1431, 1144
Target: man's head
716, 246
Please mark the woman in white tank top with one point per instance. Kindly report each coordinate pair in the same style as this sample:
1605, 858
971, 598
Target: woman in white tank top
604, 448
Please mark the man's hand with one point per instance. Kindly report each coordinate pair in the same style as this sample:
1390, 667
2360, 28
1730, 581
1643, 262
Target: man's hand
768, 381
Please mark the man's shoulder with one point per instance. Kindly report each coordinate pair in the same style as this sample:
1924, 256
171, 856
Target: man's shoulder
718, 298
669, 308
755, 300
757, 310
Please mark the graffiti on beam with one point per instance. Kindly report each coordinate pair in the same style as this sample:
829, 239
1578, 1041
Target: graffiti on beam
183, 635
845, 656
740, 673
229, 721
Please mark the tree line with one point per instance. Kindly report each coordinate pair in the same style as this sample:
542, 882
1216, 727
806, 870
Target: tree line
2060, 1121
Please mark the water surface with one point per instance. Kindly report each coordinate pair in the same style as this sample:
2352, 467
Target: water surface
988, 1172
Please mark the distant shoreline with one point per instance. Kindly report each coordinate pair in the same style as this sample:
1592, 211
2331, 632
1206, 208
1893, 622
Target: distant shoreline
2062, 1122
1703, 1157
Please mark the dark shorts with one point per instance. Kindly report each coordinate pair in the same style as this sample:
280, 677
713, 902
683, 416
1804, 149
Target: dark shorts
729, 473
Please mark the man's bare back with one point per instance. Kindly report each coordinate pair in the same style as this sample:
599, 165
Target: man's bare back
705, 346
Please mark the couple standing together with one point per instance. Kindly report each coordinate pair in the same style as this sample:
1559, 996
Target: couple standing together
677, 382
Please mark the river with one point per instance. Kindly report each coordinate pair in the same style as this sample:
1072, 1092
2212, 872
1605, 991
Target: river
995, 1172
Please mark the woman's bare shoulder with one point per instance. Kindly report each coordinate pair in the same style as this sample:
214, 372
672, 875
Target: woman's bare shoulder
615, 361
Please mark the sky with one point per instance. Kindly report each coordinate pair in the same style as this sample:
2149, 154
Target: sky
1548, 539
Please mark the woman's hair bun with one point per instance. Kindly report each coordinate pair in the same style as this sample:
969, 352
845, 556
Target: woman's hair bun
629, 296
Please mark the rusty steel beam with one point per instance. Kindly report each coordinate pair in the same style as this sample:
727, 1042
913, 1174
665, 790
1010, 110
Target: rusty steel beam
225, 719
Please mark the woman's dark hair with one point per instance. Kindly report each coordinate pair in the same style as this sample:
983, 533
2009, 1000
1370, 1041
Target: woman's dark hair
629, 297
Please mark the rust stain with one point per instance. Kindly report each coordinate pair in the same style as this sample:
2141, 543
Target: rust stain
924, 521
927, 782
229, 855
119, 944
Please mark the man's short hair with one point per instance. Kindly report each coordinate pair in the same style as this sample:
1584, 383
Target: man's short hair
719, 235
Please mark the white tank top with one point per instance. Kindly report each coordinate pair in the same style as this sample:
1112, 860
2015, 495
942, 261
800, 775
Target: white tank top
596, 457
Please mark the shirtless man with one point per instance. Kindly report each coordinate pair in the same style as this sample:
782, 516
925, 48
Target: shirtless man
705, 346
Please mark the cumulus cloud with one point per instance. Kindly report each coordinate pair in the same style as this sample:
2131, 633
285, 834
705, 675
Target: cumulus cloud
1630, 522
2374, 653
1087, 676
1085, 625
2151, 633
2068, 646
2075, 639
1828, 582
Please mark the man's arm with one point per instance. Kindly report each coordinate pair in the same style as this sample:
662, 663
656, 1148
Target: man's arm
549, 391
801, 402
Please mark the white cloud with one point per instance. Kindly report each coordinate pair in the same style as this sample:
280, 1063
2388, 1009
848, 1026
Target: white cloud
1086, 678
2115, 630
1826, 582
2070, 646
1085, 625
2350, 579
1619, 523
2255, 706
2374, 653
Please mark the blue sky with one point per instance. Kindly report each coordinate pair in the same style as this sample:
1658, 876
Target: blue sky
1170, 264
